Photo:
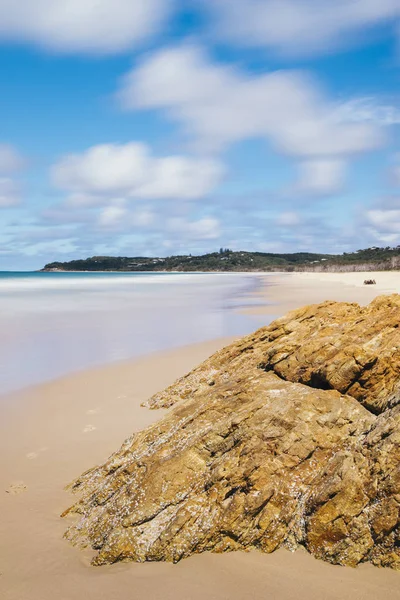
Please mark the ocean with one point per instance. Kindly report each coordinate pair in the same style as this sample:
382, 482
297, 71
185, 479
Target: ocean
56, 323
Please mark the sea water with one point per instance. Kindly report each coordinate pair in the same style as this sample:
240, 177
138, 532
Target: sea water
52, 324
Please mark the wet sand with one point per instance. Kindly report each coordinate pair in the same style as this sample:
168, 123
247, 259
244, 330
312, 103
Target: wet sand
51, 433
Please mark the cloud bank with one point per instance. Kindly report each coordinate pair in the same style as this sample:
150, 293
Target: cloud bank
292, 27
82, 26
218, 105
130, 170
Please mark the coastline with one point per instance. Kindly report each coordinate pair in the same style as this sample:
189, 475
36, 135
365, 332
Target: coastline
77, 321
52, 432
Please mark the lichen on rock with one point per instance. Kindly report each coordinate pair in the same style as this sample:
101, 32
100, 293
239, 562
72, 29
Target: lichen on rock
290, 436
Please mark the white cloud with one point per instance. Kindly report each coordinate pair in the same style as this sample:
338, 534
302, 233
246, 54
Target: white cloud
118, 215
87, 26
112, 26
293, 27
367, 109
112, 215
219, 105
292, 231
82, 200
384, 221
58, 246
381, 222
9, 193
206, 228
321, 176
143, 218
130, 170
10, 159
288, 219
106, 169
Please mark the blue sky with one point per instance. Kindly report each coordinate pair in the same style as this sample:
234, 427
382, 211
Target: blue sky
164, 126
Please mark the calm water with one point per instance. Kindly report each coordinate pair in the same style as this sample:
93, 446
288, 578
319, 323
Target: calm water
56, 323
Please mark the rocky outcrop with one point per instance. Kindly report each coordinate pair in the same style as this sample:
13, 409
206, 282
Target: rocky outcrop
290, 436
353, 349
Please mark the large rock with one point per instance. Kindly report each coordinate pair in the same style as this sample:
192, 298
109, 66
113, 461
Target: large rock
334, 345
258, 453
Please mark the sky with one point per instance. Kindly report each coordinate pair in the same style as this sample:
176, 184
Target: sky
159, 127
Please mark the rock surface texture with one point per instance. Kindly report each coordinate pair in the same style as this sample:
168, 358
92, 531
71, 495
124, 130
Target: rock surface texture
290, 436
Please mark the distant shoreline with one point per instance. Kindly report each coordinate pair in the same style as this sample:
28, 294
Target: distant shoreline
354, 269
227, 261
158, 272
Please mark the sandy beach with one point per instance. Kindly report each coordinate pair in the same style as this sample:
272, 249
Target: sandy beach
287, 291
52, 432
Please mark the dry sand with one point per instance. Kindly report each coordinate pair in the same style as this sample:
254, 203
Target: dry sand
49, 434
287, 291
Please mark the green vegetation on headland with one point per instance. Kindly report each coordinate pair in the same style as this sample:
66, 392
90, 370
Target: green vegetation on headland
379, 259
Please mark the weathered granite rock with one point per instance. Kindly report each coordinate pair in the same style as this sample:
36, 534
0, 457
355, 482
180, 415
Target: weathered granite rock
353, 349
249, 459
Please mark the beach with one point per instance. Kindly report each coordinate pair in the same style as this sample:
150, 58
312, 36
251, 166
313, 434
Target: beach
53, 431
58, 323
287, 291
